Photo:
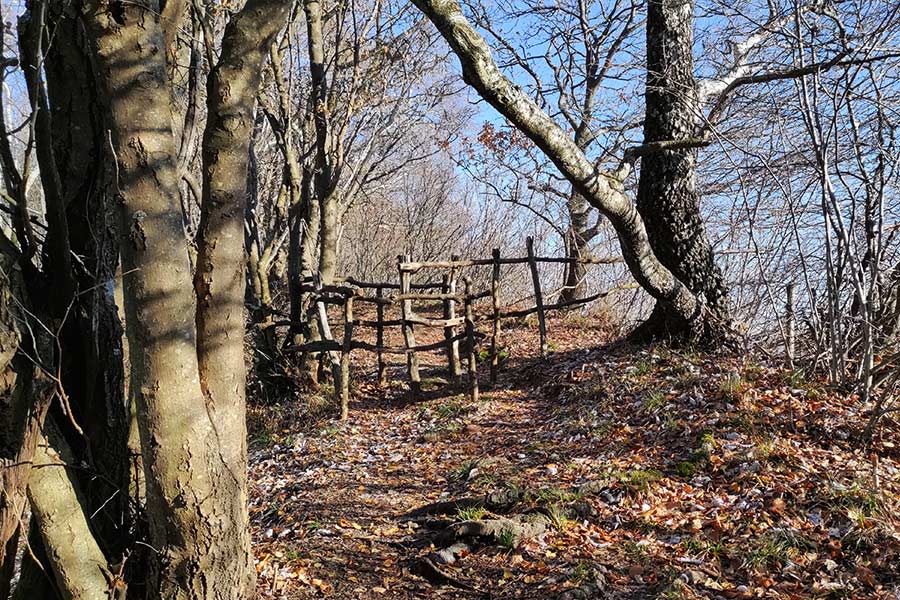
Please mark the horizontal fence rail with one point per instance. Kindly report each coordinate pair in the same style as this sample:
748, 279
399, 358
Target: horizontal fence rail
457, 328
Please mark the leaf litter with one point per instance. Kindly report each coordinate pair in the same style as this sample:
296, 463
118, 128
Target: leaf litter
659, 474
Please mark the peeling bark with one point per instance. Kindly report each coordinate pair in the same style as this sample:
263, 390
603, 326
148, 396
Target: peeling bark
578, 238
93, 352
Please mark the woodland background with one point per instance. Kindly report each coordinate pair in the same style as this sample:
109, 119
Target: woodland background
183, 179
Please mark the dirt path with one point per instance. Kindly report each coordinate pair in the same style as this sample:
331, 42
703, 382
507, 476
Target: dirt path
709, 477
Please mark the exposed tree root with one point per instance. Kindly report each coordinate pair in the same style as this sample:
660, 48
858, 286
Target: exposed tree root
426, 567
503, 531
499, 501
515, 515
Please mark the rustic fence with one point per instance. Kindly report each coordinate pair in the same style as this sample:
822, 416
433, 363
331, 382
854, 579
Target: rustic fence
348, 292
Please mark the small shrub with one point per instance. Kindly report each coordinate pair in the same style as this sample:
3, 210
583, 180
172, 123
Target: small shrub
451, 408
507, 539
854, 496
732, 387
655, 400
643, 367
775, 548
767, 552
558, 516
635, 552
462, 472
582, 573
704, 548
686, 469
470, 513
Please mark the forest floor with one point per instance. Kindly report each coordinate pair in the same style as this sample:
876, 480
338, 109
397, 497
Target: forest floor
615, 472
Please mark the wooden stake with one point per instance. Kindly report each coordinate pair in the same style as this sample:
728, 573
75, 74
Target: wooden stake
345, 358
790, 336
381, 378
538, 296
412, 361
325, 334
470, 336
449, 287
495, 303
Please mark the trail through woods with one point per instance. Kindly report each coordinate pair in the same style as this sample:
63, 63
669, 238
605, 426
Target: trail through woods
610, 473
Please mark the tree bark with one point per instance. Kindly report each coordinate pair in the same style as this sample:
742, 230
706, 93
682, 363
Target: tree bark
323, 179
667, 195
579, 236
601, 190
194, 473
24, 399
78, 565
221, 261
93, 352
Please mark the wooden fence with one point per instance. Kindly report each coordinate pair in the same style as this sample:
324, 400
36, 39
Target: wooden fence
348, 292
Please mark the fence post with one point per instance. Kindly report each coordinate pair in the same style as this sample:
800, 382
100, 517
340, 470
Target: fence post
449, 287
381, 378
538, 296
470, 337
412, 361
790, 336
495, 304
325, 334
345, 357
454, 279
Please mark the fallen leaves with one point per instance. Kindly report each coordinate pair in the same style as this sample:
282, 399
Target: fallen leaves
700, 487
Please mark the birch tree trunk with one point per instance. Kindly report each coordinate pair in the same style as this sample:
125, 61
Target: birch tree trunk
575, 282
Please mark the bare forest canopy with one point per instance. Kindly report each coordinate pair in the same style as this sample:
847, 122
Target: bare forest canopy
212, 205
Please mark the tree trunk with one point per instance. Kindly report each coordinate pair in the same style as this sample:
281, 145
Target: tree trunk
24, 399
303, 239
93, 354
78, 565
329, 233
221, 262
603, 191
667, 195
192, 460
578, 237
323, 180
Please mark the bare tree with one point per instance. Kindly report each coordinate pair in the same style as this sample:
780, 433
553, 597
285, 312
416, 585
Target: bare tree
185, 332
603, 190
